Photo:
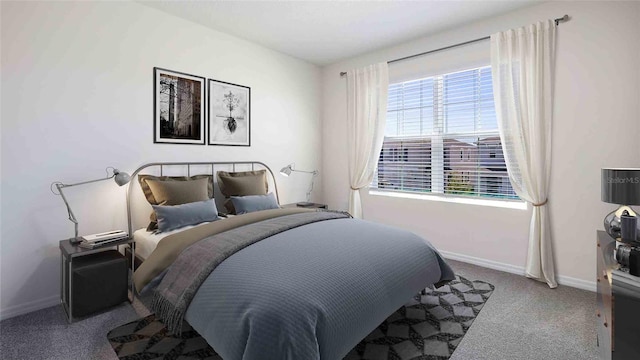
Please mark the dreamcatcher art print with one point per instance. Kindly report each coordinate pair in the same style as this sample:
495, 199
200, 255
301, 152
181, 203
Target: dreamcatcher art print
229, 114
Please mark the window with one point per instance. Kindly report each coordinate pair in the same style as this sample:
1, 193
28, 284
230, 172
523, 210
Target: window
442, 137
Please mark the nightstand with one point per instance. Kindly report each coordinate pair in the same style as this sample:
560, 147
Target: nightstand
308, 206
94, 279
618, 299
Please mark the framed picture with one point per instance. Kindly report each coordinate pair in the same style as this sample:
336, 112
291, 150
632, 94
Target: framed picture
178, 111
229, 114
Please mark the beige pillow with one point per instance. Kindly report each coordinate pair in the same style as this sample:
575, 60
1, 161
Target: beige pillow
242, 183
142, 179
178, 192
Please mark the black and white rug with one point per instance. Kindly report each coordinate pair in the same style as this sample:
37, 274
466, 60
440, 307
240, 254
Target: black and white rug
429, 327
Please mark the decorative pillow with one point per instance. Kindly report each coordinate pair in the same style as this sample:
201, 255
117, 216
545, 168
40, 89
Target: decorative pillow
178, 192
251, 203
143, 179
176, 216
242, 183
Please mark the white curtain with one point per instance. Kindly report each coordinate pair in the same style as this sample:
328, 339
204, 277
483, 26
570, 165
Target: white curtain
366, 116
522, 63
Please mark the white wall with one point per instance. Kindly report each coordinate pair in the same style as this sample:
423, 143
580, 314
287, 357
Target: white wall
596, 124
77, 96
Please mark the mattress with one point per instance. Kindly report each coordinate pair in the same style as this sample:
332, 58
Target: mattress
146, 241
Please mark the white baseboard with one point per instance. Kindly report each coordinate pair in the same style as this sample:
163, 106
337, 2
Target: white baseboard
28, 307
518, 270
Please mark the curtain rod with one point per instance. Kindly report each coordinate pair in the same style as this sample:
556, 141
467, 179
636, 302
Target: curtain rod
557, 21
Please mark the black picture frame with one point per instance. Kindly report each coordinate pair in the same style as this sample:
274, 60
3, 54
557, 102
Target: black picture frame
178, 108
229, 114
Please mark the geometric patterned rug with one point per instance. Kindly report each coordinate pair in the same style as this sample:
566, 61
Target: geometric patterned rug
429, 327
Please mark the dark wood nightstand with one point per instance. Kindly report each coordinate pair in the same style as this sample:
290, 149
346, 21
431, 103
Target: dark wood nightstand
307, 205
80, 263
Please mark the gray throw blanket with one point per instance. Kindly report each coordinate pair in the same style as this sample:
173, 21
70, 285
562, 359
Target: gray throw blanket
183, 279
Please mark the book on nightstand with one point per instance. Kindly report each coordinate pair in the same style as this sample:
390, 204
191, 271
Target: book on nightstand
95, 240
92, 245
115, 234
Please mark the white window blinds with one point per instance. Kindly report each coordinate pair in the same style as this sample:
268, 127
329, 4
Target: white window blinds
442, 137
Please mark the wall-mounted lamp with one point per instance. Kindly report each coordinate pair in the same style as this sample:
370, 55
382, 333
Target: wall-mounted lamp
286, 171
121, 178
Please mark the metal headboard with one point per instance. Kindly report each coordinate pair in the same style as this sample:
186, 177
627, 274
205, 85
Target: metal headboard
228, 165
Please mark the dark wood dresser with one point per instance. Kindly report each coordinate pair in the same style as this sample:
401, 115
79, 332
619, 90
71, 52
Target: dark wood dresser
618, 313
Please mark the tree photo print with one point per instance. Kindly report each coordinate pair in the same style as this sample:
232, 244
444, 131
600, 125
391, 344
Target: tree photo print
229, 114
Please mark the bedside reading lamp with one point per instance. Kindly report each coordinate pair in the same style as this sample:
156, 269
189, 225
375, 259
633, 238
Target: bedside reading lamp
121, 178
622, 187
286, 171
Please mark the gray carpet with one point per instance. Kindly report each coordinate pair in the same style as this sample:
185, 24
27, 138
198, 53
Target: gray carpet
45, 334
523, 319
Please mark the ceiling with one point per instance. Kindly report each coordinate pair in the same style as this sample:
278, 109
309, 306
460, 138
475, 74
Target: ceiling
324, 32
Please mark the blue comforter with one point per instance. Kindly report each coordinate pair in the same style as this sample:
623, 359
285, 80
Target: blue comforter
312, 292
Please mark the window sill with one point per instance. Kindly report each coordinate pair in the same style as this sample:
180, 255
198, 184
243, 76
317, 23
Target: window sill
508, 204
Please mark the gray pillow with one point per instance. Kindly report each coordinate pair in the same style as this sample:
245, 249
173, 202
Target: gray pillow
251, 203
177, 216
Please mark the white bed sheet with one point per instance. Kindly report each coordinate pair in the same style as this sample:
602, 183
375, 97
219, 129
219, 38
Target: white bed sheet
146, 241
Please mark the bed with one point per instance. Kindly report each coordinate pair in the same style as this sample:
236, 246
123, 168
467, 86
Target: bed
138, 209
284, 283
